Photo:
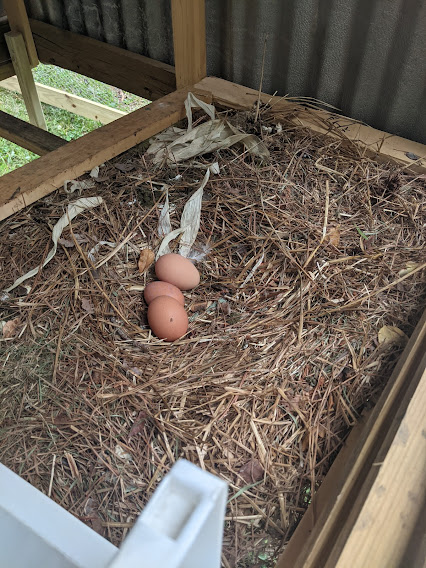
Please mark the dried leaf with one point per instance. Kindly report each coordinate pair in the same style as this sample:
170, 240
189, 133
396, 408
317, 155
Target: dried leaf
85, 184
189, 224
125, 167
92, 512
87, 305
65, 243
409, 267
122, 454
138, 424
74, 208
305, 442
215, 134
390, 334
68, 243
164, 224
252, 471
146, 258
334, 236
10, 328
95, 172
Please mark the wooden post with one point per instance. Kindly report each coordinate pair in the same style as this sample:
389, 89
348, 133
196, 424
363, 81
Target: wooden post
18, 53
18, 22
189, 40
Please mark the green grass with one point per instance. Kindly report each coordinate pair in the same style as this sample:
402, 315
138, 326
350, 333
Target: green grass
60, 122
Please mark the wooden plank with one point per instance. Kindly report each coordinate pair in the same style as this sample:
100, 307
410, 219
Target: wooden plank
21, 64
189, 41
41, 177
392, 499
4, 52
377, 144
6, 67
112, 65
67, 101
319, 530
18, 22
6, 71
28, 136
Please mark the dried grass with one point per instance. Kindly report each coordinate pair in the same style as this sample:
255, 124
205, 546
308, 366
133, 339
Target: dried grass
302, 270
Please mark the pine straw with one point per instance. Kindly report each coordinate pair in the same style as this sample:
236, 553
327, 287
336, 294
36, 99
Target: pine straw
278, 364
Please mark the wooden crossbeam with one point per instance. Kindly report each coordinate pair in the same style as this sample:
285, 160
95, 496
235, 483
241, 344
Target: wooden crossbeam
112, 65
67, 101
28, 136
189, 41
29, 183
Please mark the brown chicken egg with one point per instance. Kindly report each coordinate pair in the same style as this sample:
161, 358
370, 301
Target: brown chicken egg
154, 289
177, 270
167, 318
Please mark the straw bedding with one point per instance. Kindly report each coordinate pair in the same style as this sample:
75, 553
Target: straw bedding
303, 260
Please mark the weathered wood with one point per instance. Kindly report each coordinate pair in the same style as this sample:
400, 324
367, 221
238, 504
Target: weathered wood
387, 509
189, 41
28, 136
377, 144
6, 70
39, 178
112, 65
4, 52
322, 525
67, 101
21, 65
18, 21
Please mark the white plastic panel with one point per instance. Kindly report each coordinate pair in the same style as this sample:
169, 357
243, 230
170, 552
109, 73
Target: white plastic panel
181, 527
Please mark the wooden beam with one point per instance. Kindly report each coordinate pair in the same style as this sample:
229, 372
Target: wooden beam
21, 64
6, 71
4, 52
18, 22
112, 65
321, 526
6, 67
28, 136
384, 517
41, 177
189, 41
67, 101
377, 144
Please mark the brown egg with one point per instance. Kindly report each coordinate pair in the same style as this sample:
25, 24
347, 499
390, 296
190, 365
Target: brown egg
167, 318
154, 289
177, 270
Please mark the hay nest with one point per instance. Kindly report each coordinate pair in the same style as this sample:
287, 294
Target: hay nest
303, 260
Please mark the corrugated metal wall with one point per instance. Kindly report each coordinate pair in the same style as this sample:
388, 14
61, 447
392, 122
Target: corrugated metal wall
366, 57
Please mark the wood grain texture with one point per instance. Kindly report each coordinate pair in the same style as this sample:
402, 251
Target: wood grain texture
18, 21
324, 526
4, 52
21, 65
189, 41
28, 136
382, 521
67, 101
41, 177
112, 65
6, 70
377, 144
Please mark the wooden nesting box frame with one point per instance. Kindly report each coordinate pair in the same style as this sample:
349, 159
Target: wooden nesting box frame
368, 506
